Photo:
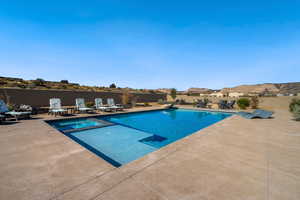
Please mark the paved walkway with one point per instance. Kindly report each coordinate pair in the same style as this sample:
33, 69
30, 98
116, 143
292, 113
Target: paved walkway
233, 159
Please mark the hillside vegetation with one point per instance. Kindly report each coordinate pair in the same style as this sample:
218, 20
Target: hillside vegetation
8, 82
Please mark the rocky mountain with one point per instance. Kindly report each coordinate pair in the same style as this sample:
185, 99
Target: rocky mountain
289, 88
265, 88
272, 88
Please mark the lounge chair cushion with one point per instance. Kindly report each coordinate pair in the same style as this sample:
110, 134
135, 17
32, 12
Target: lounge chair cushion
99, 103
119, 106
80, 105
58, 110
85, 109
55, 104
103, 108
4, 109
18, 113
112, 105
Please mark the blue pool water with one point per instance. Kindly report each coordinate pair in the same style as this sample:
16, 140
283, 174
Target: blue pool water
116, 144
75, 124
170, 124
131, 136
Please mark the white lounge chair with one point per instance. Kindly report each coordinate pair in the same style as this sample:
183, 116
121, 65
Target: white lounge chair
99, 105
80, 106
17, 115
55, 107
111, 103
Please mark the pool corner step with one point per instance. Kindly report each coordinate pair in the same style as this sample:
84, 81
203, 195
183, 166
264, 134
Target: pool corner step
104, 124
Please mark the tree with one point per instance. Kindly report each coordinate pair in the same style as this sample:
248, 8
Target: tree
39, 82
112, 85
173, 93
64, 81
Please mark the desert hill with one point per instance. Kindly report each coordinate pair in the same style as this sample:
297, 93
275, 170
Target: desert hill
272, 88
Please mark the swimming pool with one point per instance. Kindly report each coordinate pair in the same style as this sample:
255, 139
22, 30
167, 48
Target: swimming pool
122, 138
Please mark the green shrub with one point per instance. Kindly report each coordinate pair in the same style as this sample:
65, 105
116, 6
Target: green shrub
39, 82
90, 104
205, 100
10, 106
296, 112
293, 103
243, 103
295, 108
160, 101
64, 81
112, 85
173, 93
20, 85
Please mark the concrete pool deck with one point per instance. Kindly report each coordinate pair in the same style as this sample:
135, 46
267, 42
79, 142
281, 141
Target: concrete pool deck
234, 159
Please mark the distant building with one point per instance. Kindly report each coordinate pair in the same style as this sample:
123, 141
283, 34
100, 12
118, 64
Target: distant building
286, 94
203, 95
181, 92
253, 94
198, 91
269, 95
217, 94
235, 94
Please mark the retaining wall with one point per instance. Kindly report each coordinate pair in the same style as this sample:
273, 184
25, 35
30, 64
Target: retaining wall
39, 98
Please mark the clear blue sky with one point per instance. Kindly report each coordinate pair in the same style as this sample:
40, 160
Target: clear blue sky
151, 44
